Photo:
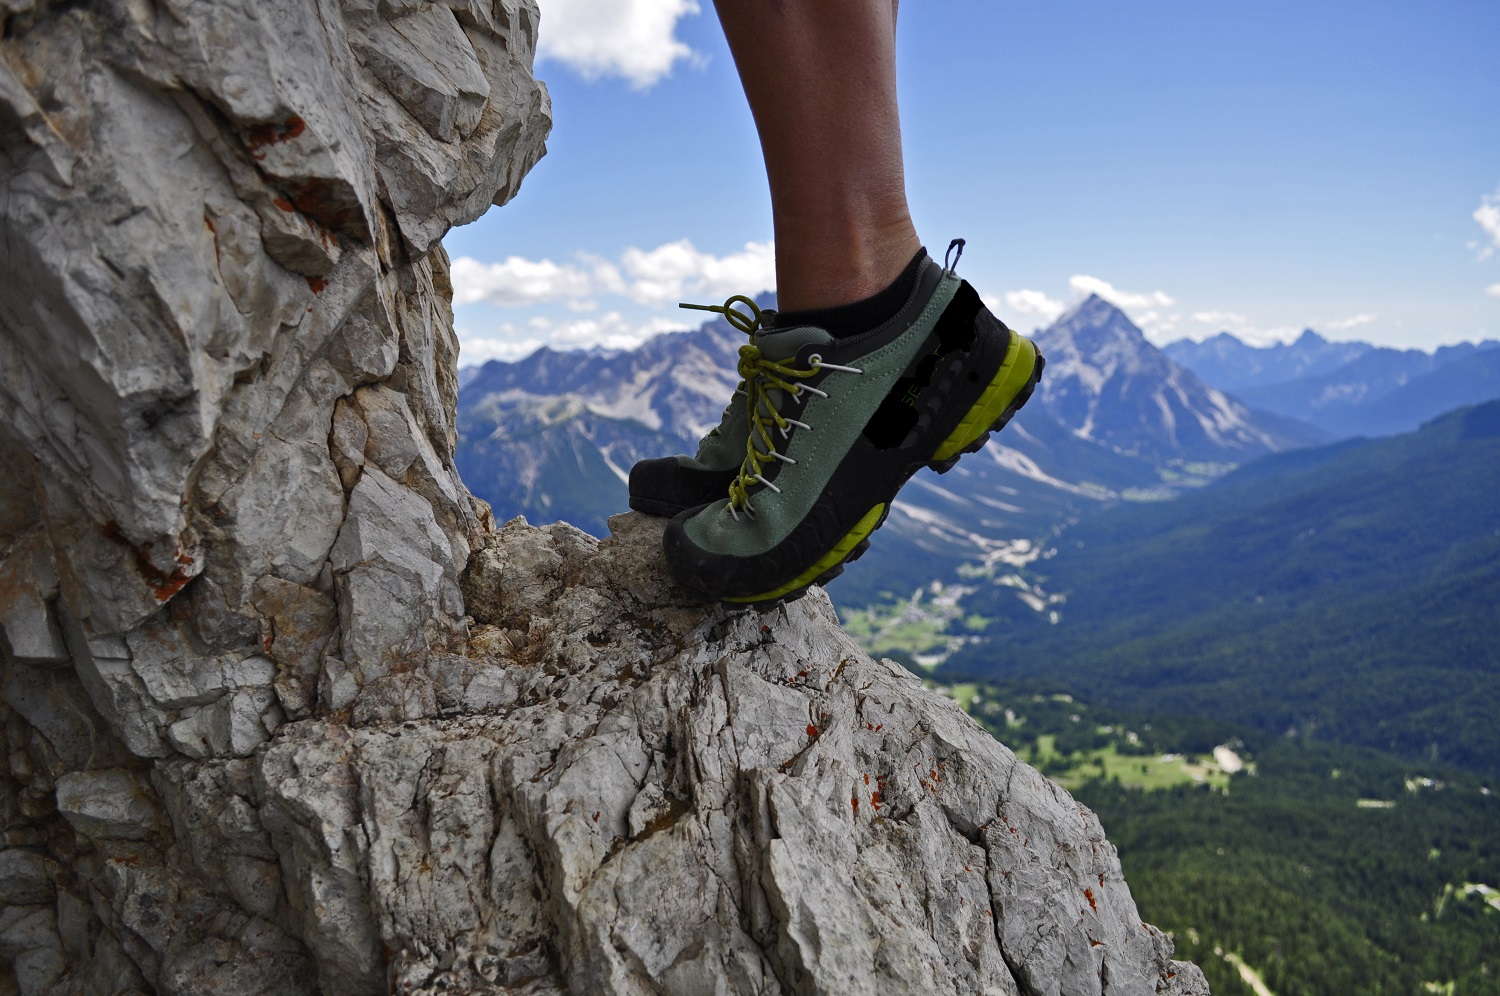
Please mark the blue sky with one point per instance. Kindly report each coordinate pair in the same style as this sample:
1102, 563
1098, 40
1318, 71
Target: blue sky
1207, 165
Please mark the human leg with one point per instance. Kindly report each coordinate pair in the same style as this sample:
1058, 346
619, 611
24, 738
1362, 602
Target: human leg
881, 361
820, 77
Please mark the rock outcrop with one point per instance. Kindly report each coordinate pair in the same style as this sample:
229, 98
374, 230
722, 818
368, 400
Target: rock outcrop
285, 713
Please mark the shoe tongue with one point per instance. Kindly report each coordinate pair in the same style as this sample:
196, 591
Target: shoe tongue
782, 344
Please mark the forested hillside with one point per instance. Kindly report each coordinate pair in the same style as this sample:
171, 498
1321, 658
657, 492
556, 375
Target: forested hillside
1351, 592
1319, 869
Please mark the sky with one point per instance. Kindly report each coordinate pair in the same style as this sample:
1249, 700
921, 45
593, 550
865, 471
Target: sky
1205, 165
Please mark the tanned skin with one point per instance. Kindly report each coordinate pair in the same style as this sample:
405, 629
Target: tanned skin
820, 76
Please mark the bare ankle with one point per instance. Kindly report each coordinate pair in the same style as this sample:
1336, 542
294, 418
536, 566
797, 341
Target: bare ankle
842, 271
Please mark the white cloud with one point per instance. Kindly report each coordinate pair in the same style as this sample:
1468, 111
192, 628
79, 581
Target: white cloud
1488, 216
1220, 319
1034, 302
1156, 326
472, 352
635, 40
593, 301
1241, 327
1269, 337
1493, 290
1355, 322
611, 330
1084, 284
517, 281
676, 271
668, 274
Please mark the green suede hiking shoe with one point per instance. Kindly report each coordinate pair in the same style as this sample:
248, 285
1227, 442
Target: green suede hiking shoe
668, 485
837, 426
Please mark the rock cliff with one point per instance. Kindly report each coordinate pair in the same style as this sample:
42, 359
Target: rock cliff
285, 713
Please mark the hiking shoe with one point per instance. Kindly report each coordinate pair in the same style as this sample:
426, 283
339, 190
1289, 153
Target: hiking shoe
668, 485
837, 426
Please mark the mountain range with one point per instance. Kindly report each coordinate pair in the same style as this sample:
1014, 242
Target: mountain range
553, 436
1346, 388
1230, 364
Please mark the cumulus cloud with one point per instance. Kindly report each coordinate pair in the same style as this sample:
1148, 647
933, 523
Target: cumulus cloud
1245, 330
677, 270
611, 330
1158, 327
474, 350
1220, 319
1084, 284
515, 281
1343, 324
1034, 302
670, 273
634, 40
1269, 337
1488, 216
1493, 290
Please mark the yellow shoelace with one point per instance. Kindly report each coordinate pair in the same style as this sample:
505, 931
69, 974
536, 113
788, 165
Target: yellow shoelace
760, 376
748, 323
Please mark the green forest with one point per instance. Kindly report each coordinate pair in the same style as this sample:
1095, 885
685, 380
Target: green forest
1317, 868
1350, 591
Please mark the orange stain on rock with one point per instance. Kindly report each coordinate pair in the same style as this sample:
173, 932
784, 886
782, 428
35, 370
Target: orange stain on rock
260, 136
163, 585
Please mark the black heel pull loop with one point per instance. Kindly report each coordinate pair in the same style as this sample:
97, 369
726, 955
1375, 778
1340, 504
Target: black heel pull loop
956, 244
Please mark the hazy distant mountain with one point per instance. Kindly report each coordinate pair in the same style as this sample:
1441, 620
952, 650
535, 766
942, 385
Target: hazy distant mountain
1472, 379
553, 436
1108, 384
1361, 397
1229, 364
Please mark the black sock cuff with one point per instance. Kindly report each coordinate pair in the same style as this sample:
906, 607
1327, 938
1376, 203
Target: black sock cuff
861, 316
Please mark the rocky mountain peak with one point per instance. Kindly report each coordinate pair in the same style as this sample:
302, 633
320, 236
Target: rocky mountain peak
287, 714
675, 383
1094, 343
1096, 324
1108, 383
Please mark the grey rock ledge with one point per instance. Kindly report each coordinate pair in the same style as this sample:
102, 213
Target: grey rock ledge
285, 713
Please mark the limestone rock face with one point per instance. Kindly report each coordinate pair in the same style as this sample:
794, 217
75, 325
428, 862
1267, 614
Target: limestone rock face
284, 713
